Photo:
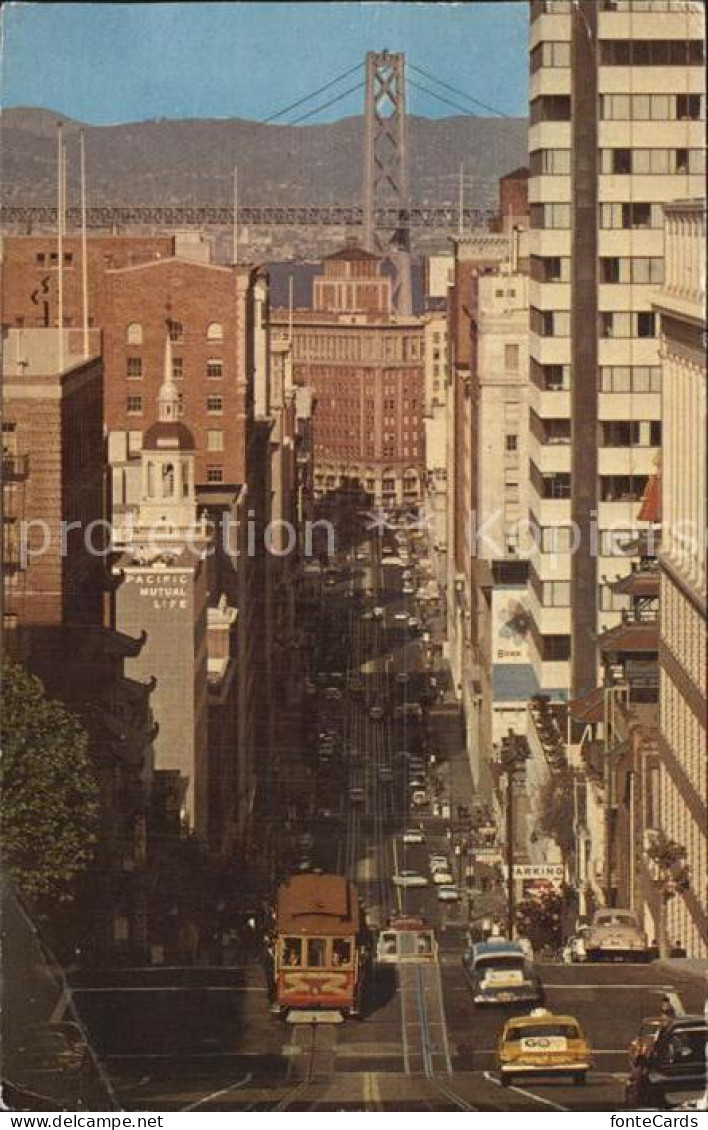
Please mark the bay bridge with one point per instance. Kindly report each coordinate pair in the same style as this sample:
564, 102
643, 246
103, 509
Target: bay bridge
34, 217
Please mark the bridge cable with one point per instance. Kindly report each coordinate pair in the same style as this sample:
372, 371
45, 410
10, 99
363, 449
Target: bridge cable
441, 98
456, 90
313, 94
318, 109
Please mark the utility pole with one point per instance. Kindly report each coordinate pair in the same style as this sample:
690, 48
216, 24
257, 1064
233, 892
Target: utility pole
513, 756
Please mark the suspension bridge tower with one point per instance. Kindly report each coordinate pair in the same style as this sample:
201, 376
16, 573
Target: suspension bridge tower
385, 189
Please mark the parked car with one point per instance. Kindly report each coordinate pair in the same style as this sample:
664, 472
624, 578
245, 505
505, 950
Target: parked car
407, 589
616, 933
500, 972
419, 799
357, 794
385, 773
402, 677
376, 713
669, 1070
377, 613
543, 1044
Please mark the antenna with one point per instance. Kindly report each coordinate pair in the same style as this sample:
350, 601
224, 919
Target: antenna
290, 310
61, 185
461, 219
84, 259
235, 216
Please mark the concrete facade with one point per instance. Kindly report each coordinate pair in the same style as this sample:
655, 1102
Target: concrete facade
683, 812
611, 108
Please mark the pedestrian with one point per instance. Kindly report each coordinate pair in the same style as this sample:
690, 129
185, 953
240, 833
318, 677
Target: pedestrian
667, 1010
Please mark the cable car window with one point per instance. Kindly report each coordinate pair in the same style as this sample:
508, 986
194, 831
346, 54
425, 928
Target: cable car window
390, 944
292, 952
424, 944
316, 952
341, 951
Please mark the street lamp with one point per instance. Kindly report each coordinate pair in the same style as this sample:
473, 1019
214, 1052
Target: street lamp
513, 756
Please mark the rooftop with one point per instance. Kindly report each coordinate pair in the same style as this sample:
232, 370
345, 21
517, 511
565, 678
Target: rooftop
631, 636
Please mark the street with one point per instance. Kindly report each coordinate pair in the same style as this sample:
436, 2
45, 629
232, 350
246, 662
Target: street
203, 1038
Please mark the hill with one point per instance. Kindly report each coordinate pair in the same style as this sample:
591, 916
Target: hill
165, 161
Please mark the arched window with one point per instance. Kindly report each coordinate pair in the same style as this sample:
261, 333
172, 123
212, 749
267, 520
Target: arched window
135, 334
215, 331
168, 480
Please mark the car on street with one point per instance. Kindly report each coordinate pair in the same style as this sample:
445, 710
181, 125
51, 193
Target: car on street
391, 559
385, 773
400, 615
669, 1071
439, 861
442, 878
377, 612
367, 616
402, 678
409, 879
333, 694
413, 623
407, 588
362, 555
357, 795
376, 713
616, 934
419, 799
543, 1044
416, 783
448, 894
500, 972
413, 836
50, 1059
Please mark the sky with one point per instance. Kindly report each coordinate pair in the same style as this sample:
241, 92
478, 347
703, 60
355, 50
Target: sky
109, 63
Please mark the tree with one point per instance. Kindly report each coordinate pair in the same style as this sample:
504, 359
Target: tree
556, 810
49, 791
539, 918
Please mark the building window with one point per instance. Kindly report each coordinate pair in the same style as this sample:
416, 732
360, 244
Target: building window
215, 441
215, 331
40, 258
214, 368
215, 474
134, 368
134, 405
134, 334
511, 357
622, 488
177, 368
512, 443
623, 378
555, 648
215, 404
176, 331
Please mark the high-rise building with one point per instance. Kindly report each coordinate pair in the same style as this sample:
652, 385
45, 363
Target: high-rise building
616, 130
683, 808
365, 368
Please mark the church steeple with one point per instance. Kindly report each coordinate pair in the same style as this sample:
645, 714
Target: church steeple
168, 406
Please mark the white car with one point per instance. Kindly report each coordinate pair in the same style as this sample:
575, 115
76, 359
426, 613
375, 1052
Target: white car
377, 613
448, 894
413, 836
439, 863
408, 589
400, 616
409, 879
413, 624
443, 878
419, 799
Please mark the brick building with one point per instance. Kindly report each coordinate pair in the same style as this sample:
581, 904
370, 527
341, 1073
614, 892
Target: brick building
52, 476
365, 369
29, 273
204, 307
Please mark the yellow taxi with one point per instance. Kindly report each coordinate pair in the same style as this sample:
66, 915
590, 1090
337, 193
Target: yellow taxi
543, 1044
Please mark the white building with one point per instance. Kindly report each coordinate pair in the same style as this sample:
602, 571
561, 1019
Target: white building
617, 110
683, 808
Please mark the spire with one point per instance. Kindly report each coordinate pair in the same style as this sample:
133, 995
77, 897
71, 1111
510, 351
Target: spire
168, 397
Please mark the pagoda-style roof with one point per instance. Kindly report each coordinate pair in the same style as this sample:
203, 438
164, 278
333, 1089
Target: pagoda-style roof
632, 636
589, 709
650, 509
640, 583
